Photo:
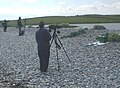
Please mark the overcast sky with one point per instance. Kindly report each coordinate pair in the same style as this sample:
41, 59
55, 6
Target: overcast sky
12, 9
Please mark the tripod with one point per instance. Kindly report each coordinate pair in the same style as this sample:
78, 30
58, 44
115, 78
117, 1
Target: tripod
55, 38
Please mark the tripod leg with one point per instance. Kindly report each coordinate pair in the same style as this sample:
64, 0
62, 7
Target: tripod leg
57, 58
63, 49
51, 41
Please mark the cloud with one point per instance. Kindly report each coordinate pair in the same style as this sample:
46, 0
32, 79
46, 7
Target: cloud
17, 11
116, 5
63, 0
19, 1
97, 8
27, 11
28, 1
1, 0
62, 3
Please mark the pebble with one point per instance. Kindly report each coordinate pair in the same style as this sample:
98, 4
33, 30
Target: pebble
90, 66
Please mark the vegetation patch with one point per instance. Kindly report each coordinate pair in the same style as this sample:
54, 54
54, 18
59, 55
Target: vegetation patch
75, 34
62, 25
113, 37
99, 27
66, 25
109, 37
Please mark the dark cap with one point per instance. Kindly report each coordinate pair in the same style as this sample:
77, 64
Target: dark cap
19, 17
41, 24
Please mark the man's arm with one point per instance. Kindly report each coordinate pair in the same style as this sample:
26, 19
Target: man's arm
48, 35
36, 37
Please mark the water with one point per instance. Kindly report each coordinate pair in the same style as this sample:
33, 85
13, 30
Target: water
35, 26
109, 26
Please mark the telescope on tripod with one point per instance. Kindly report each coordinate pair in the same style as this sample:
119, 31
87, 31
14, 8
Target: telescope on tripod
56, 39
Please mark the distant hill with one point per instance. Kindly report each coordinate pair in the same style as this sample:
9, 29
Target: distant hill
78, 19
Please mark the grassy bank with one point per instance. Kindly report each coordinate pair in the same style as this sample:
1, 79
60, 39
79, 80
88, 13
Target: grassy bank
72, 19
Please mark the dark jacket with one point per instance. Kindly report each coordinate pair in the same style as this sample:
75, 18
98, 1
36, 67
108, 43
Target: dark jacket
5, 24
19, 23
43, 37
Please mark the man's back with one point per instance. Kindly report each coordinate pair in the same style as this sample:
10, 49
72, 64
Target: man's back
43, 37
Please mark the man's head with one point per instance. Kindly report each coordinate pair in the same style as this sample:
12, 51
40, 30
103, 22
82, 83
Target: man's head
19, 18
41, 24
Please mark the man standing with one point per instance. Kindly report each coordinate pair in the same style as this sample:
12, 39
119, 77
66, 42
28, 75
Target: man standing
4, 25
42, 38
19, 23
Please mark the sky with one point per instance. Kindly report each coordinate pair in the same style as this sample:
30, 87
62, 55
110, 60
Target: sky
12, 9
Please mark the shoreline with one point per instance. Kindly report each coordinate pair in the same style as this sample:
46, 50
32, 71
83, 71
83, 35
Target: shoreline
92, 66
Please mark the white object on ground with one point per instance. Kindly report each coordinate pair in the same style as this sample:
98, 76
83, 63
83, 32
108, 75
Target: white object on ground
97, 43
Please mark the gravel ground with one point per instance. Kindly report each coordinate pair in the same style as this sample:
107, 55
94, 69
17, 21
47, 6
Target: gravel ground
90, 66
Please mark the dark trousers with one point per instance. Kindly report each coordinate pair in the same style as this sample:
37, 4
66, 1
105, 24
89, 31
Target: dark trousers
19, 31
5, 29
44, 59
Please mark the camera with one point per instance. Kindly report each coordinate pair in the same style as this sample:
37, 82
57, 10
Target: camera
54, 27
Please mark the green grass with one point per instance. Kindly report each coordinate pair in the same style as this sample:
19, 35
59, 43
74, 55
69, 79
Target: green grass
72, 19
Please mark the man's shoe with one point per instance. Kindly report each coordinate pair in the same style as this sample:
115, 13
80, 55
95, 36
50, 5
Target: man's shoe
43, 71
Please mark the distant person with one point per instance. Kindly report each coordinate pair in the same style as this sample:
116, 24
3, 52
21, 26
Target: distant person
4, 25
42, 38
19, 23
